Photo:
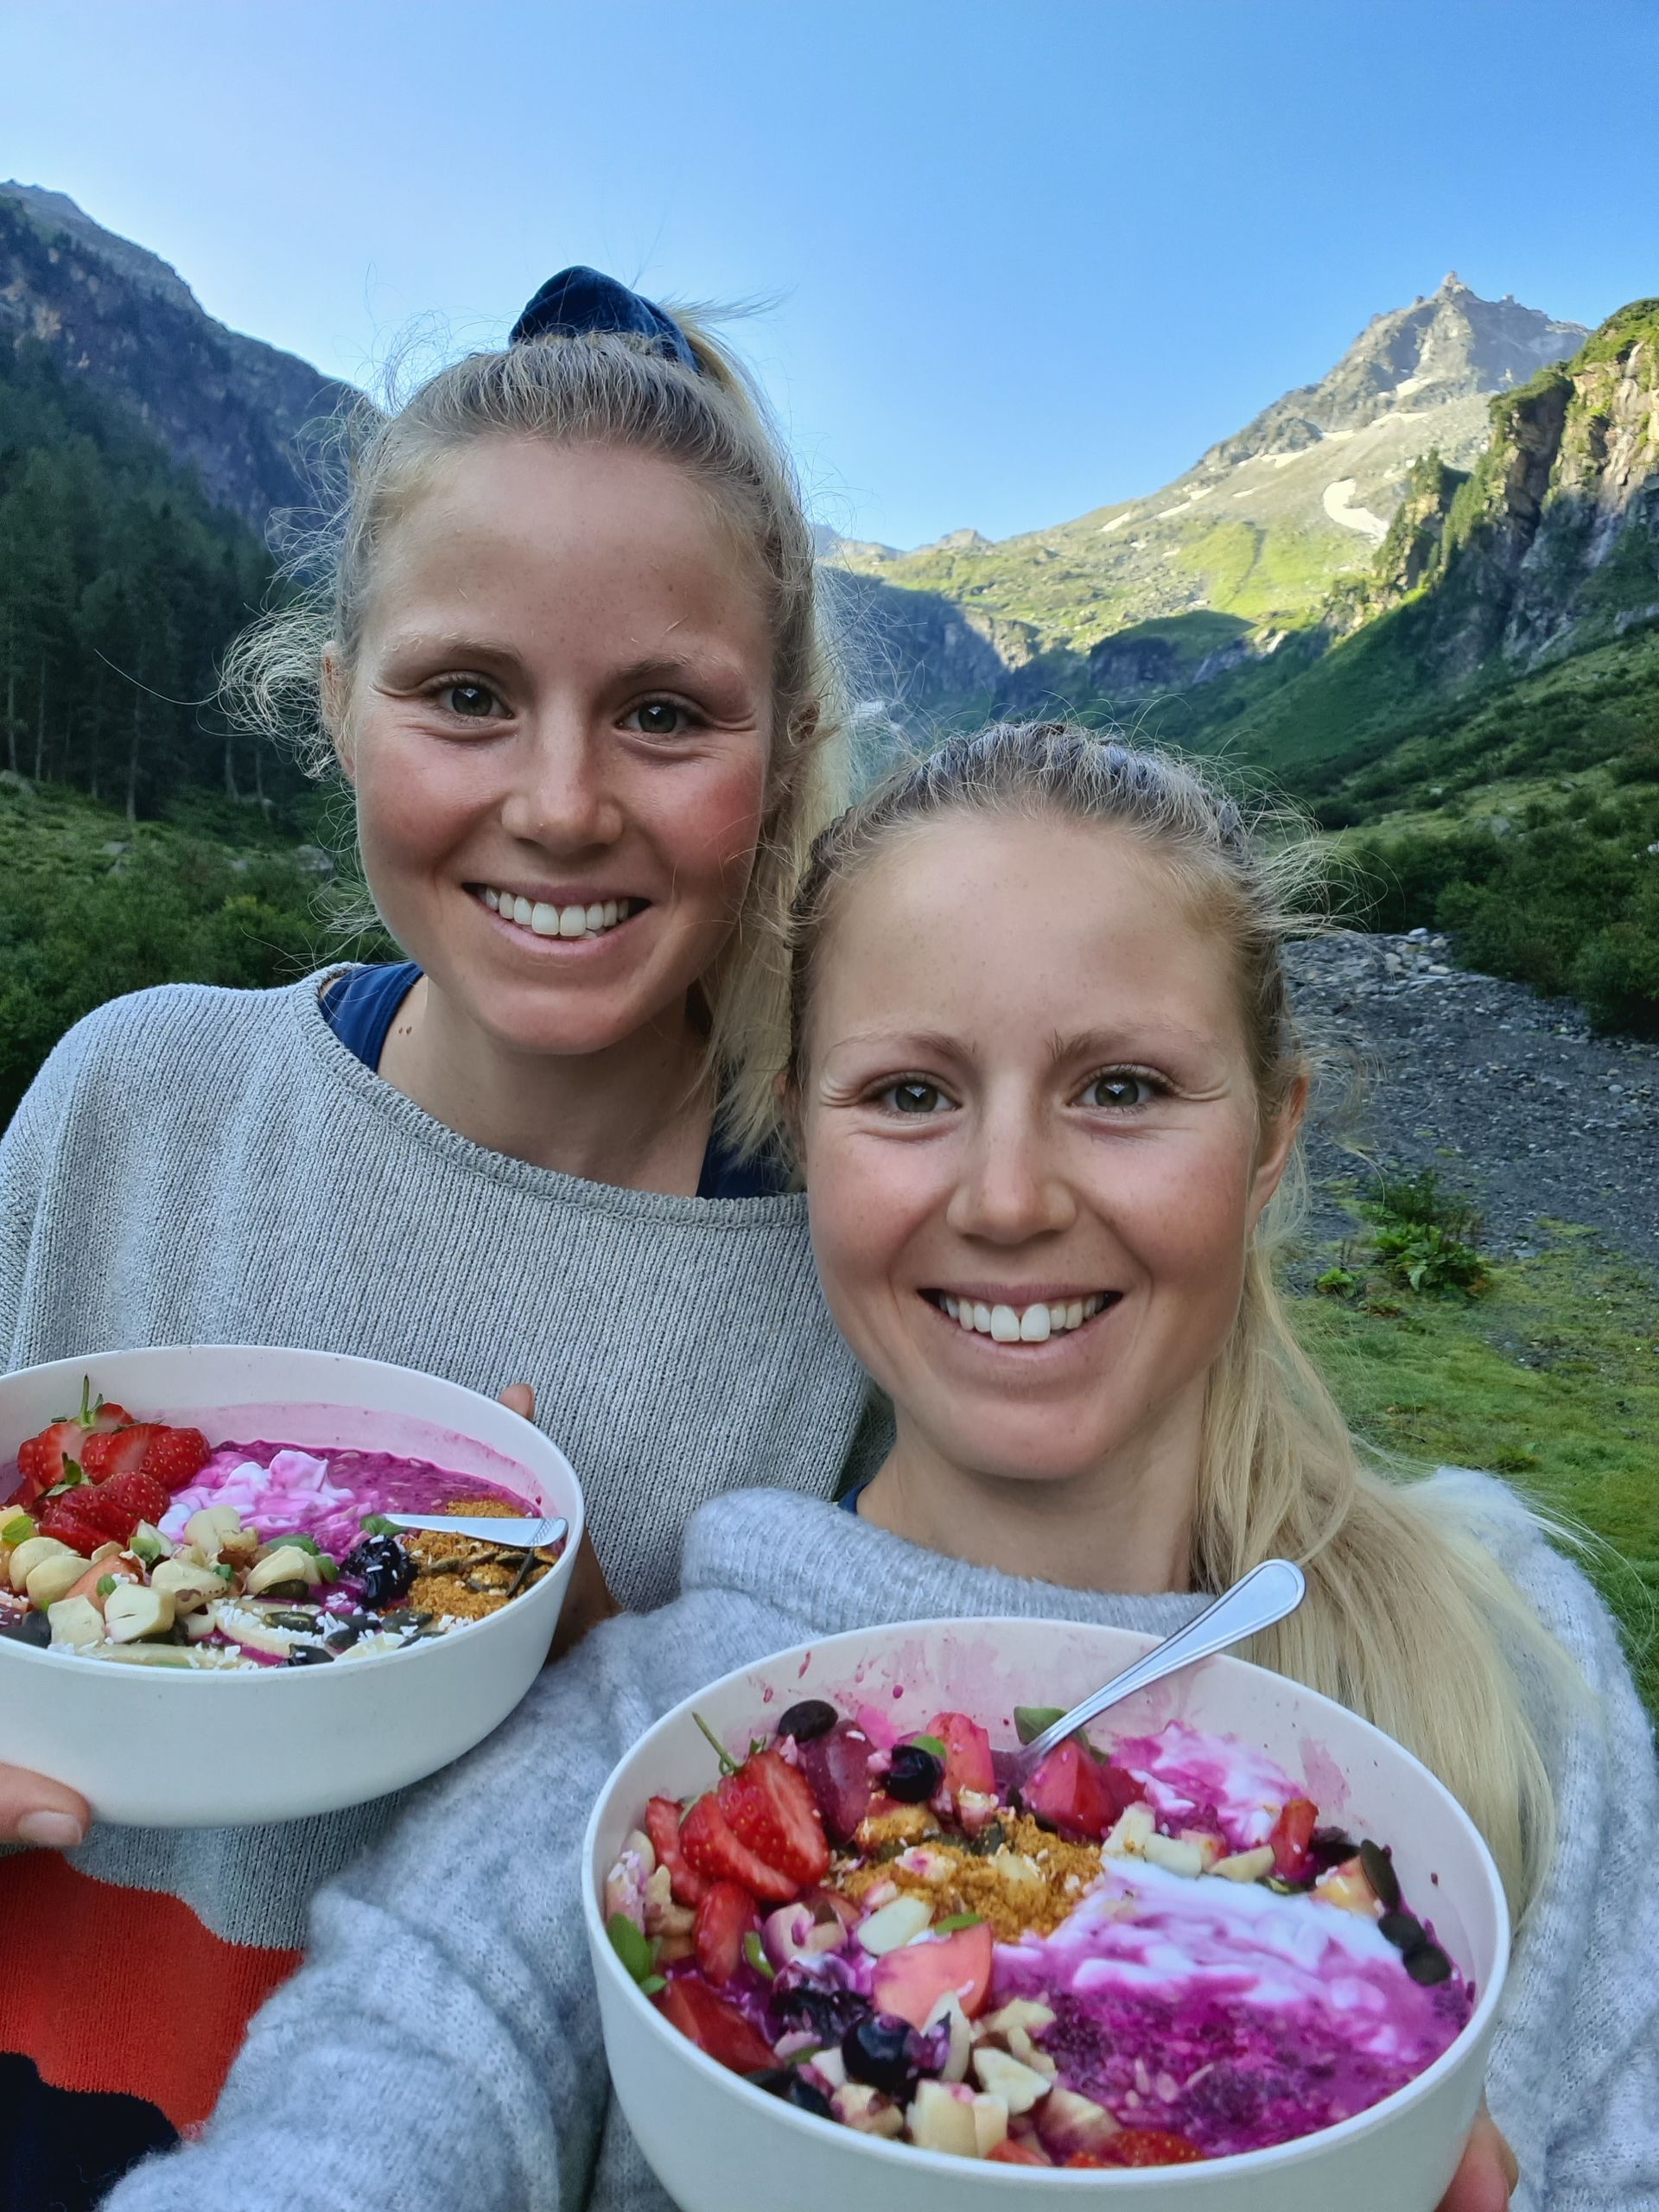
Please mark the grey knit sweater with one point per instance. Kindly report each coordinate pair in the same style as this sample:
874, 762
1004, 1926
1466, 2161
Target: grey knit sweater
203, 1166
442, 2051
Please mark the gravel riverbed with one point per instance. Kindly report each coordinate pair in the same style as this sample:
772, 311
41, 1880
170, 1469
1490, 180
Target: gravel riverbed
1507, 1094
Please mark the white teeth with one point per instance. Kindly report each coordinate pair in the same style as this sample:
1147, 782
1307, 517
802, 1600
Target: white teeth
544, 919
1030, 1325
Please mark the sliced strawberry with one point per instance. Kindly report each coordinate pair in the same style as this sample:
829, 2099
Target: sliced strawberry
910, 1981
710, 1848
137, 1492
837, 1770
715, 2026
1142, 2146
83, 1518
1291, 1834
770, 1808
724, 1919
176, 1456
106, 1415
115, 1451
663, 1826
967, 1753
40, 1460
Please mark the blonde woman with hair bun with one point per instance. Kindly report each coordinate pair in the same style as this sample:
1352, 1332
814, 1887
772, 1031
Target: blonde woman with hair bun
564, 644
1044, 1083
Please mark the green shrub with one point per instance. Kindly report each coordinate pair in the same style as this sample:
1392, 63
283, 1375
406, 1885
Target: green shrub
1617, 977
1425, 1236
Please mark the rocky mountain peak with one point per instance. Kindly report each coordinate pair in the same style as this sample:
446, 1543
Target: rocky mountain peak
1452, 344
111, 312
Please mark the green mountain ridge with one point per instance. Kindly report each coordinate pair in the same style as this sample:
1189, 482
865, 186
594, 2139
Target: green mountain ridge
1263, 524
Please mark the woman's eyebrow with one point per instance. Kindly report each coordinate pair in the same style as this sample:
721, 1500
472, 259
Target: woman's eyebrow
710, 667
1142, 1037
452, 647
933, 1044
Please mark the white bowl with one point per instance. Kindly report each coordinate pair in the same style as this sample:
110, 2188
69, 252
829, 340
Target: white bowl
173, 1748
715, 2141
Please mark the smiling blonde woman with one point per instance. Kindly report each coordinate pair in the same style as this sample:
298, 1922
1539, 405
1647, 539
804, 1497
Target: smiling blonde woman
568, 659
1043, 1065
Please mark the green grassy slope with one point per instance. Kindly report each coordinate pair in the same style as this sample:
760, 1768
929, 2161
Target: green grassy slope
1551, 1380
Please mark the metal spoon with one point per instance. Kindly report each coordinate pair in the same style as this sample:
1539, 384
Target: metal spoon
516, 1535
1268, 1593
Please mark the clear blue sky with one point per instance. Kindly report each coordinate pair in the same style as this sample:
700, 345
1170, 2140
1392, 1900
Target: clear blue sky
1027, 257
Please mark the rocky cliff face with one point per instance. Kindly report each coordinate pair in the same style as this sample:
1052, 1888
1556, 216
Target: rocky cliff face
1553, 541
233, 408
1452, 345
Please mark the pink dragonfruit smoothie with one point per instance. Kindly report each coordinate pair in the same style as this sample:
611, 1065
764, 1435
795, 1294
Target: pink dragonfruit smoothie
324, 1491
1224, 2012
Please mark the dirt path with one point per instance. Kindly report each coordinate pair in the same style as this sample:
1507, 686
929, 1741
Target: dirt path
1507, 1094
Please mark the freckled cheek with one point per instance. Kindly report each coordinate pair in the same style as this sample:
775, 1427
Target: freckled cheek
708, 826
1195, 1226
412, 806
862, 1220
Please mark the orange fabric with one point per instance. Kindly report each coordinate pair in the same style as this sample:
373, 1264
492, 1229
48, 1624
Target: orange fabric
125, 1989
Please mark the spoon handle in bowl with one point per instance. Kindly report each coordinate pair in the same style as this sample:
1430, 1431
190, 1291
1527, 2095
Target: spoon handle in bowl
1258, 1598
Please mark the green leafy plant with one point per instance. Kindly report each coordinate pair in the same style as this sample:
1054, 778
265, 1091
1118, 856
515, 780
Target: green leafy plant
1425, 1237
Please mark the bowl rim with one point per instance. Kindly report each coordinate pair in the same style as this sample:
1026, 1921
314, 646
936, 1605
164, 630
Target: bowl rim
244, 1676
947, 2165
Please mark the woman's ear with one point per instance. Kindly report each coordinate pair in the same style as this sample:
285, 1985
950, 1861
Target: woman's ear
1278, 1141
335, 691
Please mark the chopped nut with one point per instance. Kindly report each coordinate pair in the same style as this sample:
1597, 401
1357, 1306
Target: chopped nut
1174, 1855
1127, 1838
1245, 1865
131, 1611
949, 2009
868, 2110
1002, 2075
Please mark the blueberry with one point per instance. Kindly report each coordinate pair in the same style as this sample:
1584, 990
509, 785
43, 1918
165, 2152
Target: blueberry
812, 1717
825, 2014
785, 2082
307, 1655
914, 1775
27, 1628
877, 2051
384, 1566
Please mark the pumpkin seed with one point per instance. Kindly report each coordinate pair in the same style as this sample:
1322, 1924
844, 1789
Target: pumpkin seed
1402, 1930
1379, 1873
1429, 1964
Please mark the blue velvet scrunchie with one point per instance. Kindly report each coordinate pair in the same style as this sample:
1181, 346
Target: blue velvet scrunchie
583, 299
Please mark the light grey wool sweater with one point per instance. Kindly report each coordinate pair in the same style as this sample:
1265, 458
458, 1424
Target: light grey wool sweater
441, 2052
197, 1166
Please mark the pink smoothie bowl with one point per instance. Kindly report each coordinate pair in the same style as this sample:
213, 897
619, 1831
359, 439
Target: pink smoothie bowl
185, 1749
716, 2141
